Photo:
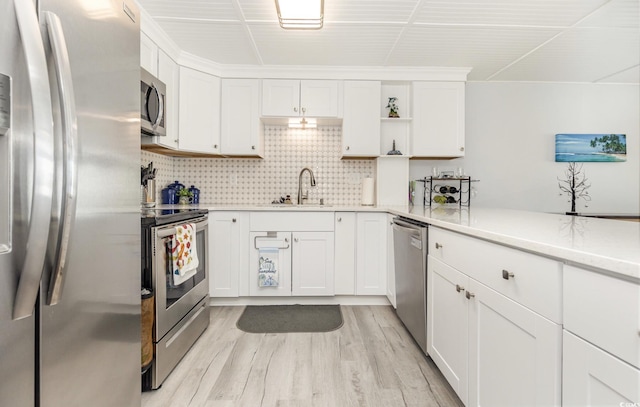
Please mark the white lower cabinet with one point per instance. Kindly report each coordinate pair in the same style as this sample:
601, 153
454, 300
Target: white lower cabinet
593, 377
514, 353
227, 252
371, 253
275, 248
448, 324
493, 350
391, 267
345, 253
303, 260
601, 348
312, 270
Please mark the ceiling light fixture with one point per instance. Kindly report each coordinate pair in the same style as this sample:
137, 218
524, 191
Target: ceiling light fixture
303, 123
300, 14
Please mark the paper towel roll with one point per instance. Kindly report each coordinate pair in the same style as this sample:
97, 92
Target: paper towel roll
368, 192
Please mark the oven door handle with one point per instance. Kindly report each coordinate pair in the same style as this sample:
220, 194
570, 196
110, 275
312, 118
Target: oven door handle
170, 231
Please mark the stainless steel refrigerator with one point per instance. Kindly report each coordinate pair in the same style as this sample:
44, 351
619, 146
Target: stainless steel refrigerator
69, 203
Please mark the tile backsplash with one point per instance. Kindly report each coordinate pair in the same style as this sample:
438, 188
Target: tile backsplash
260, 181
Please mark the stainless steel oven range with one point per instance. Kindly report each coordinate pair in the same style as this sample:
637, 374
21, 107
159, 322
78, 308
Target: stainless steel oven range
181, 311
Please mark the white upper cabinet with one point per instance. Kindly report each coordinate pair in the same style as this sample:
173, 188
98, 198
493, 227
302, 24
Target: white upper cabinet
241, 130
169, 74
148, 54
319, 98
280, 97
199, 112
291, 98
438, 119
361, 122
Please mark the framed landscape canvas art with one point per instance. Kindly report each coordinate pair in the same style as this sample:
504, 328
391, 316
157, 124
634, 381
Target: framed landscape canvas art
591, 147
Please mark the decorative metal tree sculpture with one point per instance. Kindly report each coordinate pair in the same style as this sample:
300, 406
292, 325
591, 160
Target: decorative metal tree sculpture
575, 185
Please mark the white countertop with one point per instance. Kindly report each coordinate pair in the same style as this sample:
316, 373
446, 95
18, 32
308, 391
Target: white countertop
611, 245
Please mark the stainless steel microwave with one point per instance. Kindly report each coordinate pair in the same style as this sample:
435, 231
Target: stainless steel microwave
152, 105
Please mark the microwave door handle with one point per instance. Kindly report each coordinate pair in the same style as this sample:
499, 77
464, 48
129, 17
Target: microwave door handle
160, 108
145, 105
70, 151
43, 160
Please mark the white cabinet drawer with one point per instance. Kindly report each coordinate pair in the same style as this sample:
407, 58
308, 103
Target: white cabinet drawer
291, 221
530, 280
603, 310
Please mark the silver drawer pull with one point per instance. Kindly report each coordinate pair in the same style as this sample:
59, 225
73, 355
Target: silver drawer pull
459, 288
507, 275
438, 245
469, 295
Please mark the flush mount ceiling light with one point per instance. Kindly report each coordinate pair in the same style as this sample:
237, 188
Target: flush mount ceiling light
300, 14
303, 123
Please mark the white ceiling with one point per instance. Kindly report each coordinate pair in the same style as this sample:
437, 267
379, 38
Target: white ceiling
501, 40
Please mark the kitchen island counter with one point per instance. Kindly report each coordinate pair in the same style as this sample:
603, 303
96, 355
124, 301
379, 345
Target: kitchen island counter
608, 245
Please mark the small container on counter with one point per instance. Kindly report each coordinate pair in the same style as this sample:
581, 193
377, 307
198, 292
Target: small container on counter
170, 193
195, 194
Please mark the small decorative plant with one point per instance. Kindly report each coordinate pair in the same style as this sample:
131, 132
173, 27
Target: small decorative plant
185, 192
575, 185
393, 107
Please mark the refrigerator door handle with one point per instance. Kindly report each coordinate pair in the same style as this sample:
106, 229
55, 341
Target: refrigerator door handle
69, 148
43, 156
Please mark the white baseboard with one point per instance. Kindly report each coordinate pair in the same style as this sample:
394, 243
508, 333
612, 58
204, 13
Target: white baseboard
338, 299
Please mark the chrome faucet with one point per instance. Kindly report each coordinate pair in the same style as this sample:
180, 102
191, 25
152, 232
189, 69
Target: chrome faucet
312, 182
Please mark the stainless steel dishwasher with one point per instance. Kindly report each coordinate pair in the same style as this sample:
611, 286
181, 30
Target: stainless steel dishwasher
410, 253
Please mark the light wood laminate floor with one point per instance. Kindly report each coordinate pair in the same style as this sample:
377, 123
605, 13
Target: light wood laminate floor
370, 361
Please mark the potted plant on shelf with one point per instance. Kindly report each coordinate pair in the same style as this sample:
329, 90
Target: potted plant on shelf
184, 196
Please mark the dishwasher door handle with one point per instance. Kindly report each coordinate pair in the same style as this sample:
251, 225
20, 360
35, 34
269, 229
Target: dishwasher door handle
414, 230
416, 242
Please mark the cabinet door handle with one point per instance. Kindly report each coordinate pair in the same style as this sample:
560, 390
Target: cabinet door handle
295, 240
253, 147
469, 295
233, 220
461, 148
304, 110
215, 146
347, 148
507, 275
339, 219
459, 288
438, 245
295, 109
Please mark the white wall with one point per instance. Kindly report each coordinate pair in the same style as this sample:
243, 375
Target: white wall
510, 144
